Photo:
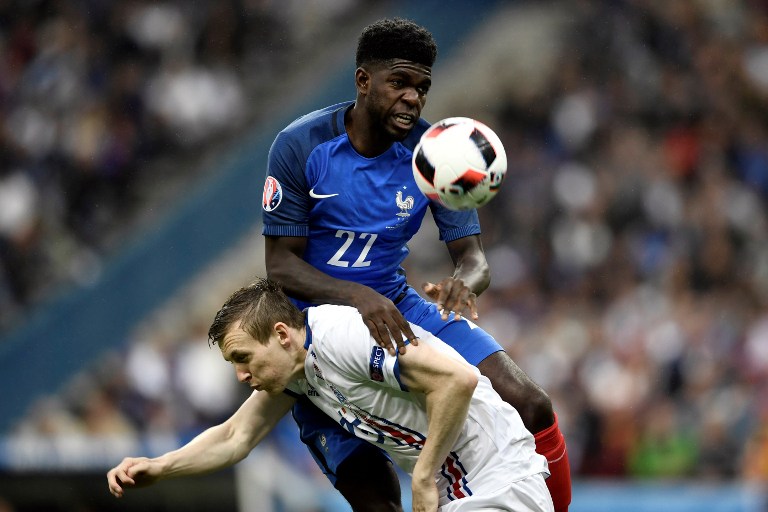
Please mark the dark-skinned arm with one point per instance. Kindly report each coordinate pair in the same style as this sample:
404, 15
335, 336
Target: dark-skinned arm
470, 278
299, 279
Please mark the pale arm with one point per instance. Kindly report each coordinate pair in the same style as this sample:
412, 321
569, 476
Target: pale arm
216, 448
448, 384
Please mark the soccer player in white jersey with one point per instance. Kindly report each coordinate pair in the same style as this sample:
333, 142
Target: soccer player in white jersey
430, 410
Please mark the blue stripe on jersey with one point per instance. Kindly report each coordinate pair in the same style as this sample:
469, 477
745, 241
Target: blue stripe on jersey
308, 329
357, 213
396, 370
292, 393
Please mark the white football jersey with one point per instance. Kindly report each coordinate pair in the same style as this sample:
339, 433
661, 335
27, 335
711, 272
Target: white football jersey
356, 382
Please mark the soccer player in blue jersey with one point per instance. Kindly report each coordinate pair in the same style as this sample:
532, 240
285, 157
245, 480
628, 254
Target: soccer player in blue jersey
340, 205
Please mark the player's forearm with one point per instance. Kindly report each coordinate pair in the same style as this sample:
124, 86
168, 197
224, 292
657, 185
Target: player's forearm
447, 407
214, 449
228, 443
302, 281
475, 274
470, 263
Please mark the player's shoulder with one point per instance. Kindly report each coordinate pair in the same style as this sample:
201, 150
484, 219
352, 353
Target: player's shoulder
327, 315
331, 321
303, 135
325, 122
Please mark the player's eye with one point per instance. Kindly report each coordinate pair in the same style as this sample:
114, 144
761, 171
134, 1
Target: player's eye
239, 358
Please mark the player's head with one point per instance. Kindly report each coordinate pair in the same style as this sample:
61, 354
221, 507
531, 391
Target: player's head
259, 331
394, 73
395, 38
256, 309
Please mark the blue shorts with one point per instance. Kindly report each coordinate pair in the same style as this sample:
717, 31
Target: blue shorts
469, 340
329, 443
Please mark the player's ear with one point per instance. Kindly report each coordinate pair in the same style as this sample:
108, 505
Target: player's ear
282, 334
362, 80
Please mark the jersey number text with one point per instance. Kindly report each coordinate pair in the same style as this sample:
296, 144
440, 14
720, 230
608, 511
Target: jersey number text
349, 237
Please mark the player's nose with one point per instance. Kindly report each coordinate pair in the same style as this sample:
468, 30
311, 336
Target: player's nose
411, 96
243, 375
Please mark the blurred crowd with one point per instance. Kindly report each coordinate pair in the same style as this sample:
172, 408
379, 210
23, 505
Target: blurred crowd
95, 96
628, 245
630, 250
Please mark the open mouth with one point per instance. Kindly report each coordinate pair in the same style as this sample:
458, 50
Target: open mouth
405, 120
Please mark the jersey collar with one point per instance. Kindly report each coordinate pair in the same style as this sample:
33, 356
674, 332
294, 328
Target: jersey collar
308, 339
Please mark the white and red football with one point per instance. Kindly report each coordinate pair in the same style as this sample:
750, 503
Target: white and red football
460, 163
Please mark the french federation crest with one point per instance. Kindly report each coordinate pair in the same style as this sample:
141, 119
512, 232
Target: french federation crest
273, 194
404, 204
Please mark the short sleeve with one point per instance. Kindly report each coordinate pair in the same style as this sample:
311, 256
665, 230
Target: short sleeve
285, 200
348, 345
453, 225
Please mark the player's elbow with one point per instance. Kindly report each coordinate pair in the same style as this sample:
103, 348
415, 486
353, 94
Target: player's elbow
237, 441
464, 381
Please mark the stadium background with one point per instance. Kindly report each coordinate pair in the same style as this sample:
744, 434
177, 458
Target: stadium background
629, 245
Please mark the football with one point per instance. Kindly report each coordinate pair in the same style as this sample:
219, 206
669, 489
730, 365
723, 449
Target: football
460, 163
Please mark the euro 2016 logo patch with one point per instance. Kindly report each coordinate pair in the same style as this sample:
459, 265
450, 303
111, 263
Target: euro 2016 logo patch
376, 364
273, 194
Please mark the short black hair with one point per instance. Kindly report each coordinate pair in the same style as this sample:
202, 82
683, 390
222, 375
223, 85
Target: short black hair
395, 38
257, 308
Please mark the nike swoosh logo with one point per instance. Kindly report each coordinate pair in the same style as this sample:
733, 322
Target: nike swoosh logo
313, 194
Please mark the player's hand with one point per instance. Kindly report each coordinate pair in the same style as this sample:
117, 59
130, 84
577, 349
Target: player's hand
384, 320
425, 495
452, 295
132, 472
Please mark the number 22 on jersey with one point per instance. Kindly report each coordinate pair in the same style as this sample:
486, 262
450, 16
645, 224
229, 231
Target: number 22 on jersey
340, 259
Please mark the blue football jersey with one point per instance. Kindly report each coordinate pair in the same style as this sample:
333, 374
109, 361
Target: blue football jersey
357, 213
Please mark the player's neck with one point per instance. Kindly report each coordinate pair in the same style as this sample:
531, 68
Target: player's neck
367, 141
300, 353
